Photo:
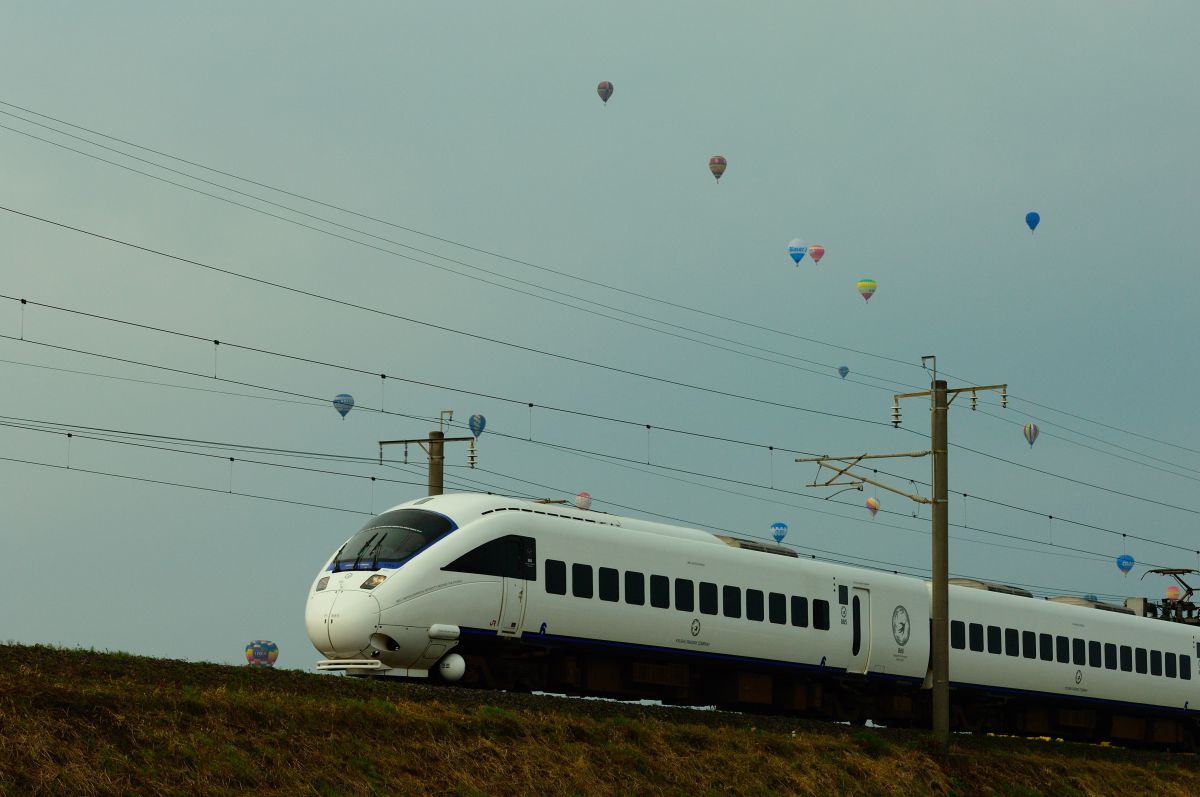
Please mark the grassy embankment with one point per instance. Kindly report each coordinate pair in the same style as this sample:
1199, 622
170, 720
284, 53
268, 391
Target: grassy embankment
80, 722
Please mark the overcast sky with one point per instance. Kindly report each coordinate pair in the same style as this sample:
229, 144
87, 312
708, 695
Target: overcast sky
546, 248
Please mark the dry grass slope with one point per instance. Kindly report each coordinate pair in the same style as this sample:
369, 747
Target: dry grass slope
86, 723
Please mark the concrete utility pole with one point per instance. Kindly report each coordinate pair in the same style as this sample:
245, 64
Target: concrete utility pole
939, 615
435, 447
939, 611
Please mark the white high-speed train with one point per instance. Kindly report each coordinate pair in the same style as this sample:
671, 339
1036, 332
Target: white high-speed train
507, 593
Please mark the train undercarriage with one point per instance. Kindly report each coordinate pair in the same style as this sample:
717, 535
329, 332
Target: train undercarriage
518, 665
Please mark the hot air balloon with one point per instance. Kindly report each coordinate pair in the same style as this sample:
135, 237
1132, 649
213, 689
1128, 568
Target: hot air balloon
605, 90
873, 505
1125, 563
1173, 593
476, 424
1032, 219
262, 653
843, 370
867, 288
796, 250
343, 403
778, 531
1031, 433
583, 500
816, 252
716, 165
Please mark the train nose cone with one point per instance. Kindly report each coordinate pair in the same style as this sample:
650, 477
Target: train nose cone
340, 624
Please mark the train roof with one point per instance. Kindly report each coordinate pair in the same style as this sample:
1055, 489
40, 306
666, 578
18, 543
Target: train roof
463, 507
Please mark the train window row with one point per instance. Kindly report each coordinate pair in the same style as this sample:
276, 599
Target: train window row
608, 584
1068, 650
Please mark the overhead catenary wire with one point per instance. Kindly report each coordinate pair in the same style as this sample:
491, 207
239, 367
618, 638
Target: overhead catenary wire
443, 328
478, 250
585, 308
578, 413
453, 242
568, 448
858, 561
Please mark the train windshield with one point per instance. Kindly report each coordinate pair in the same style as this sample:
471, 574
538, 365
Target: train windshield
391, 538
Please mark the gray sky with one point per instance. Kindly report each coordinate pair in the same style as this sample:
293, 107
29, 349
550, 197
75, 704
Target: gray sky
910, 142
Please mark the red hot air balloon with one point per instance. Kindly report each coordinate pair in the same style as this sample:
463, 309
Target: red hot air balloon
816, 252
605, 90
716, 165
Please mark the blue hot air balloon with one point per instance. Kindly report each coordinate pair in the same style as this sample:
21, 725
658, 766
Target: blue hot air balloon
1125, 563
843, 370
343, 403
1032, 219
796, 250
476, 424
778, 531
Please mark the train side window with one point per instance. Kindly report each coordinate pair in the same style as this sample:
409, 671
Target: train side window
581, 580
1094, 655
958, 635
685, 595
993, 639
708, 597
1110, 656
660, 592
1171, 671
1012, 642
821, 614
1046, 647
1078, 652
556, 577
510, 556
1029, 644
1126, 658
799, 612
610, 584
731, 601
844, 598
1156, 662
1139, 660
975, 636
635, 588
1063, 648
1185, 668
754, 604
777, 608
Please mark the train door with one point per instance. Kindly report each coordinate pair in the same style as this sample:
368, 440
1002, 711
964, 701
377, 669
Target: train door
521, 569
860, 630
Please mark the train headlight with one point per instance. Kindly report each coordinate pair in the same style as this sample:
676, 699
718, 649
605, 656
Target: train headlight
322, 584
374, 581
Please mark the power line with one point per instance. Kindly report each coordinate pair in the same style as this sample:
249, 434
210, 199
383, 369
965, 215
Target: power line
607, 456
471, 335
406, 380
447, 241
826, 367
347, 211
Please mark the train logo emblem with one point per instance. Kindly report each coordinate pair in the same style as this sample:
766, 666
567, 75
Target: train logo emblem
695, 628
1078, 676
900, 626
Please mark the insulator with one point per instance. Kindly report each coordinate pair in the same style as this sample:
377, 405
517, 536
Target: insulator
896, 415
974, 399
1004, 396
